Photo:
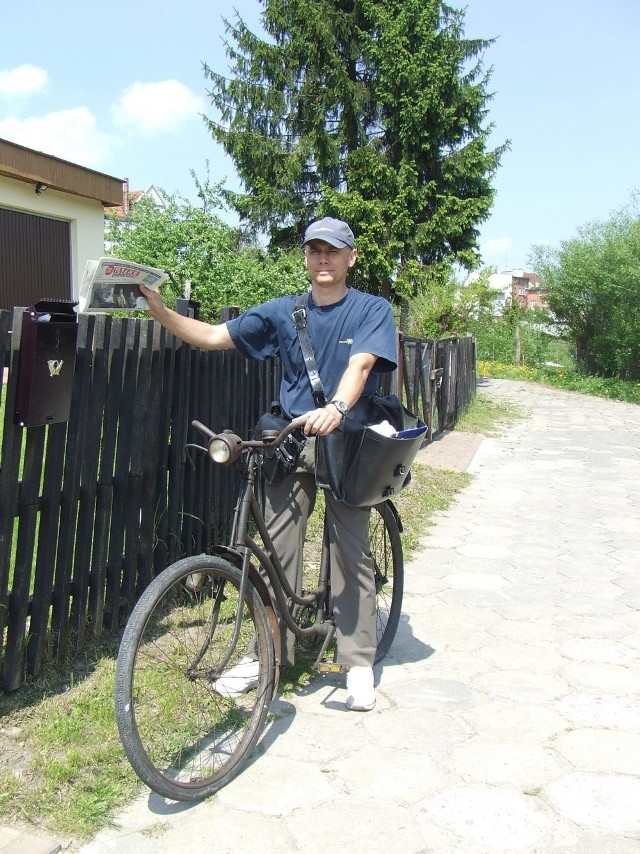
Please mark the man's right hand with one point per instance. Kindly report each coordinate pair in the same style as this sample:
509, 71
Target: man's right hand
156, 305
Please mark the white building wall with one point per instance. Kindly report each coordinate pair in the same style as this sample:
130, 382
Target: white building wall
86, 218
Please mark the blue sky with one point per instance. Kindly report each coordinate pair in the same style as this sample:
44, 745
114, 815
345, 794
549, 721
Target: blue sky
118, 87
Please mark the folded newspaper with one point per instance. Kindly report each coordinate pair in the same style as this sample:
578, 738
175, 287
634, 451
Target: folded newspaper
111, 284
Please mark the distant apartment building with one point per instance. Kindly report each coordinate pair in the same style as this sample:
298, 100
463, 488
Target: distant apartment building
518, 287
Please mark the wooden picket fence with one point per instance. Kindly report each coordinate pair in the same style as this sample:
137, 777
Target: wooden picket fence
92, 509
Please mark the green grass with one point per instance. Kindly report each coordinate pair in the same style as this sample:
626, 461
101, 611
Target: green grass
566, 378
487, 416
62, 767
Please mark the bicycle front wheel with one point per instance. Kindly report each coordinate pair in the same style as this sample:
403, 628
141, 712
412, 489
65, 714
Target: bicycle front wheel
184, 736
386, 549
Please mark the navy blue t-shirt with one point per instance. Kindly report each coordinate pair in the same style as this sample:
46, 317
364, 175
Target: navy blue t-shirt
359, 323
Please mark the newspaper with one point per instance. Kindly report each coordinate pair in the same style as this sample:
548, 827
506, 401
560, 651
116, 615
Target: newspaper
111, 284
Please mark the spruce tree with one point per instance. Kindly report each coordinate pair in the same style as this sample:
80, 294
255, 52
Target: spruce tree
371, 110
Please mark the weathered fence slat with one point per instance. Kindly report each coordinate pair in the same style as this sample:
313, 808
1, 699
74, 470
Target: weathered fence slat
46, 552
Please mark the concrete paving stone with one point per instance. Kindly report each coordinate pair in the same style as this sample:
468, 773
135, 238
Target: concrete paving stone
519, 611
436, 732
499, 719
277, 786
475, 581
517, 656
594, 625
403, 776
538, 595
594, 843
600, 750
475, 598
15, 840
453, 664
523, 686
606, 678
411, 650
491, 818
520, 764
434, 694
631, 600
483, 551
598, 650
601, 710
450, 618
633, 641
350, 824
524, 631
591, 606
464, 640
304, 738
203, 828
609, 802
630, 583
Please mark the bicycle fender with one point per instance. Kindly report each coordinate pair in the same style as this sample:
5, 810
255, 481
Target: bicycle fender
396, 514
229, 554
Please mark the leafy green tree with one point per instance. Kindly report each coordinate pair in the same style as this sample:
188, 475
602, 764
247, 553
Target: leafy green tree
196, 246
371, 110
594, 293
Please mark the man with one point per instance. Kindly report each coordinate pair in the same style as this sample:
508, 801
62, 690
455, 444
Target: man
353, 339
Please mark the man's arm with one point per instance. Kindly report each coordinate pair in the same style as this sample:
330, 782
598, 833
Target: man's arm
325, 420
203, 335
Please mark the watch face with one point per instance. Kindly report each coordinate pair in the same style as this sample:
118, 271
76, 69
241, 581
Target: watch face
341, 406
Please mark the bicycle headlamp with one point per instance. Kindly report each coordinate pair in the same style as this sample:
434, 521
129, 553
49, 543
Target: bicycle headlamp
225, 448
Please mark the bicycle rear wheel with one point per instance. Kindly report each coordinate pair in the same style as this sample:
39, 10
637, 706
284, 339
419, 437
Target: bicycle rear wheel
183, 738
386, 548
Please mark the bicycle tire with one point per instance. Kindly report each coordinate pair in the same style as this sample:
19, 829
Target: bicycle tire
386, 549
183, 738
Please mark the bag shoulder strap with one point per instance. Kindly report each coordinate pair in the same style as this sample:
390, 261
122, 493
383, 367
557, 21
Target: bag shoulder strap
299, 315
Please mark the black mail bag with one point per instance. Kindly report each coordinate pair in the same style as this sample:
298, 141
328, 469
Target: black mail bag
362, 467
278, 463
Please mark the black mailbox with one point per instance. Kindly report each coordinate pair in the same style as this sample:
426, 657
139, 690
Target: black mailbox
47, 361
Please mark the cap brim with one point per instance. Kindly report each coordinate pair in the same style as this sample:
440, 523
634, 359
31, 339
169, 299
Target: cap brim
332, 241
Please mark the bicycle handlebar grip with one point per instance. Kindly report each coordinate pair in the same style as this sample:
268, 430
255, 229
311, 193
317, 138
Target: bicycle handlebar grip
203, 429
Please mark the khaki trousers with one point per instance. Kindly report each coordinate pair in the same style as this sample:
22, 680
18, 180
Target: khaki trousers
288, 506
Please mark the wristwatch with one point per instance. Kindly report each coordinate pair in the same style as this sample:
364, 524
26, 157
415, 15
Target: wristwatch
341, 406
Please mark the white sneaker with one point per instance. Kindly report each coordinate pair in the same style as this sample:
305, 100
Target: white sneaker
361, 695
239, 679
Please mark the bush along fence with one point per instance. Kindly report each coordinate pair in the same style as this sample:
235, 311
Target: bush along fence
93, 507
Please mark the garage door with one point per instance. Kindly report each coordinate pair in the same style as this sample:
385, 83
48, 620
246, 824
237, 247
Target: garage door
35, 258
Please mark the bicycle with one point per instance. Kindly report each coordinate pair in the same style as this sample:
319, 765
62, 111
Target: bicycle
198, 618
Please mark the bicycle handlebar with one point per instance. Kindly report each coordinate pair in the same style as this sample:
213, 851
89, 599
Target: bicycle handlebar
239, 445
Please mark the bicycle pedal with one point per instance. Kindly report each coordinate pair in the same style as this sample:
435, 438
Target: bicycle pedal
330, 667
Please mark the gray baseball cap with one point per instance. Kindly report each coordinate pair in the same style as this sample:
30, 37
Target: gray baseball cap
333, 231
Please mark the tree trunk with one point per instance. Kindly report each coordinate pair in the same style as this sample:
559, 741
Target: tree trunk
518, 354
404, 316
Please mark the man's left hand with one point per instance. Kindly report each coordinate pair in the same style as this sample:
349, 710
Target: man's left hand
322, 421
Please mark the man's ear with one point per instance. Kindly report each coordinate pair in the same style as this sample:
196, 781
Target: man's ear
352, 257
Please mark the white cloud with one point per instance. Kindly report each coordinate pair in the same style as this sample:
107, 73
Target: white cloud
22, 80
69, 134
156, 106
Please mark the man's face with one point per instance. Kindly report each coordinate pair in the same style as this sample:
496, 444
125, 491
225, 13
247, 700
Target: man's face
326, 264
